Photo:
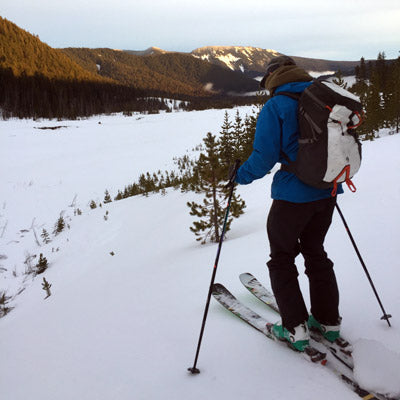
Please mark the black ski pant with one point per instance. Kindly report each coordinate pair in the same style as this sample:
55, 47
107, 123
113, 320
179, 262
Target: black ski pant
295, 228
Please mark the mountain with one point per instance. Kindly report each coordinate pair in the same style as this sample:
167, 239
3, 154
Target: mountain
252, 61
153, 71
149, 51
158, 70
206, 71
38, 81
26, 54
326, 67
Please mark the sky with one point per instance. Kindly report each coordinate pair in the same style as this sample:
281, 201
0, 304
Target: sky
339, 30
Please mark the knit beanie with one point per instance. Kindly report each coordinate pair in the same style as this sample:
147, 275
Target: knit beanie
285, 74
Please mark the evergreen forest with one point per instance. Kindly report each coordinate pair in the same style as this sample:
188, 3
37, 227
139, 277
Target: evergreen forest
38, 81
378, 86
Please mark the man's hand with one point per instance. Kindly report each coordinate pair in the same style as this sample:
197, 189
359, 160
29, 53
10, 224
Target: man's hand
232, 174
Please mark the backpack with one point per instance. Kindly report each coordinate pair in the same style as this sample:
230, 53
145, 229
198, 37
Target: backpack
329, 150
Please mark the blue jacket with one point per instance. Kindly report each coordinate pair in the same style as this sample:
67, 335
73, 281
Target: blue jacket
277, 131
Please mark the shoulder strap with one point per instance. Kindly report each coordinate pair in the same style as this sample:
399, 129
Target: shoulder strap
289, 167
294, 96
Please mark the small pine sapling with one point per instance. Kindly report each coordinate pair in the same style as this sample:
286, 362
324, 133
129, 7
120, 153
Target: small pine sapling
93, 205
60, 225
46, 287
42, 265
4, 310
107, 197
45, 236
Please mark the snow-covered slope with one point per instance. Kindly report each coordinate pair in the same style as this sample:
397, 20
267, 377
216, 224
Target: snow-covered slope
48, 173
125, 326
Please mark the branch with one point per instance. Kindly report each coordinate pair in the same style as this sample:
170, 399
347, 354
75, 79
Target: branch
34, 232
4, 229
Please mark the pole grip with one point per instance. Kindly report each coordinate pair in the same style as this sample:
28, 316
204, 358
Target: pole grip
232, 173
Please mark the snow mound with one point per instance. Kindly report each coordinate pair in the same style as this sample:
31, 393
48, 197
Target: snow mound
376, 368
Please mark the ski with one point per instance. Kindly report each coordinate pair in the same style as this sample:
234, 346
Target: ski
340, 348
230, 302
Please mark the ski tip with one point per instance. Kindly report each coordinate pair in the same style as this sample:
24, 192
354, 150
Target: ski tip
218, 288
246, 277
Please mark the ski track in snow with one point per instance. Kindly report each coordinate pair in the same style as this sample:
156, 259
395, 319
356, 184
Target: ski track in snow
126, 326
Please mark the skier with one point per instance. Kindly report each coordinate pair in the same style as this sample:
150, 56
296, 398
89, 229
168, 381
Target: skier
299, 217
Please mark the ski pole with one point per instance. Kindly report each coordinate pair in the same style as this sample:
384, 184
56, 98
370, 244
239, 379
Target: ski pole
231, 184
385, 315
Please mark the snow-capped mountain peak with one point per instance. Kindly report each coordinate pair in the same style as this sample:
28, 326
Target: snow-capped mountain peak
237, 58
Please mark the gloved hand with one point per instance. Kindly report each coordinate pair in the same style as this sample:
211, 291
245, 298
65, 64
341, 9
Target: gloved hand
232, 174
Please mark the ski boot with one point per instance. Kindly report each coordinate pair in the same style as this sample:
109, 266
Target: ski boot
329, 332
298, 337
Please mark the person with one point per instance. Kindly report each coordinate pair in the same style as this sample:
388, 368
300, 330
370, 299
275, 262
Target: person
299, 217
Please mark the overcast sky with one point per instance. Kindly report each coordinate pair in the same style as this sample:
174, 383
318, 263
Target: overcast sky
336, 30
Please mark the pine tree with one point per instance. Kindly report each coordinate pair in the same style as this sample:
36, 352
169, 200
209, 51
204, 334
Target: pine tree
339, 80
393, 96
211, 212
46, 287
246, 145
93, 205
239, 137
60, 225
361, 86
227, 144
42, 265
45, 236
373, 110
361, 71
107, 197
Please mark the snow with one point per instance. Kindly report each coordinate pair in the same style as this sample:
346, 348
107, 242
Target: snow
348, 80
229, 60
50, 172
317, 74
376, 367
126, 326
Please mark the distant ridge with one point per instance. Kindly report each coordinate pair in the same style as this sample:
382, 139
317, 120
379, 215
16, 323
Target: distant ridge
149, 51
24, 53
158, 70
252, 61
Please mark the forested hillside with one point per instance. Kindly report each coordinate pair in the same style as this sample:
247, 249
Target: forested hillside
41, 82
378, 85
175, 73
38, 81
26, 55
